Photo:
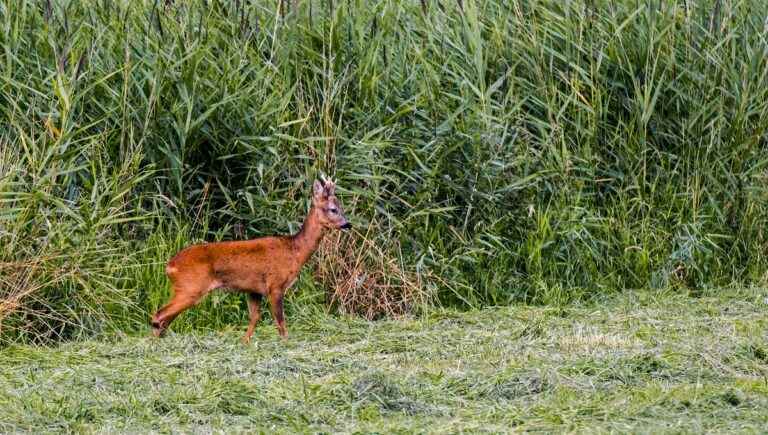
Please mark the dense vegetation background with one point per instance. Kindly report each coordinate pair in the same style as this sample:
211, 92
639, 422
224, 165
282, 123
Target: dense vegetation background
490, 151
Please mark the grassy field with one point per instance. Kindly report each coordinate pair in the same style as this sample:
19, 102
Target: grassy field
640, 362
516, 170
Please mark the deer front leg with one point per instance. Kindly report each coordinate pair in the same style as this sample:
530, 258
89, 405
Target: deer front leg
254, 312
276, 306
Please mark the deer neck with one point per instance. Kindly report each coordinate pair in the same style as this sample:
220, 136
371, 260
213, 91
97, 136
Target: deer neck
306, 241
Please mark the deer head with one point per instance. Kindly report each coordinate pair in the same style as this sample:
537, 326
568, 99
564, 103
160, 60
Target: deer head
329, 207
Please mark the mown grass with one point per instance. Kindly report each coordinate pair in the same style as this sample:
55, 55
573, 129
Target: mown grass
645, 362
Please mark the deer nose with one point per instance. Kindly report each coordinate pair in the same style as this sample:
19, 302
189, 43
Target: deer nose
346, 226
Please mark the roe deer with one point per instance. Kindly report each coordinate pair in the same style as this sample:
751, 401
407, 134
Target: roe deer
265, 266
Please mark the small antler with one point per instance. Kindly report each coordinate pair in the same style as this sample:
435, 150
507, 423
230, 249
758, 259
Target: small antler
328, 183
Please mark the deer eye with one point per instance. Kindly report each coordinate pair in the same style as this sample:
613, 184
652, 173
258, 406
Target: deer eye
333, 210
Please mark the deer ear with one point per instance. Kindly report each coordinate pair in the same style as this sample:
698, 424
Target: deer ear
318, 190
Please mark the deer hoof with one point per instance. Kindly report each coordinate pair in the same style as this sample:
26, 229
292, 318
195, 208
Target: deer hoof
157, 330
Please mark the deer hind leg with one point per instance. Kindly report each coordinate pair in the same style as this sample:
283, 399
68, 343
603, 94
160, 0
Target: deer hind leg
254, 312
276, 307
183, 298
165, 315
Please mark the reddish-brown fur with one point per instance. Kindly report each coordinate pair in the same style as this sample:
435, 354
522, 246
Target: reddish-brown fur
263, 267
